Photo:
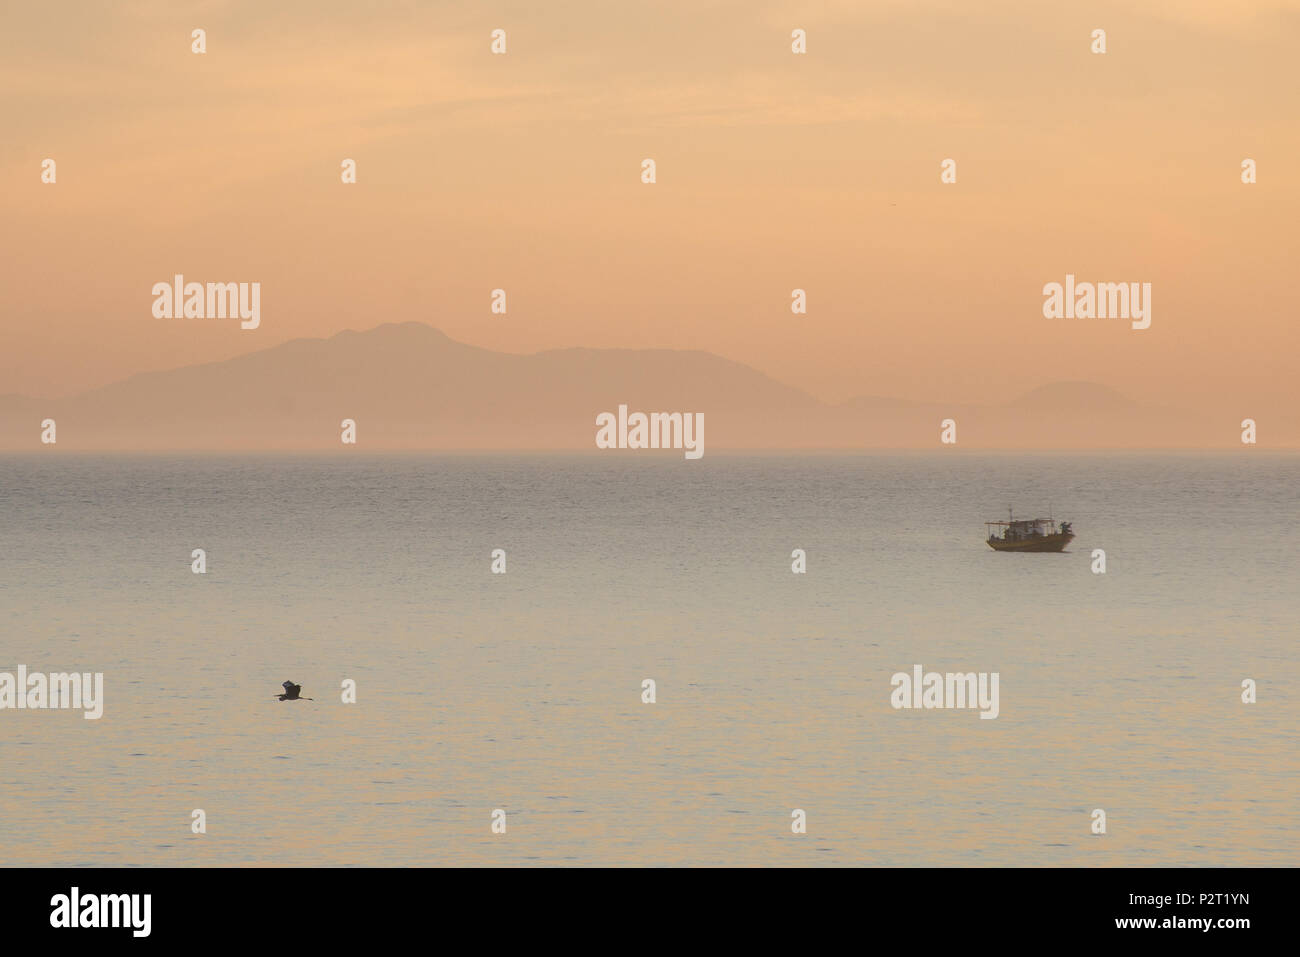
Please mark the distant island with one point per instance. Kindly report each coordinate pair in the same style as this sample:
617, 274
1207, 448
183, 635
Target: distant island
409, 386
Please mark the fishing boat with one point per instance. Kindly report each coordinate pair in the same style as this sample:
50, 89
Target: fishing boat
1028, 535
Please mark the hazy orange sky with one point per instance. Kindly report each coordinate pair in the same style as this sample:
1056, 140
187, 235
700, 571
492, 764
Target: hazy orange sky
775, 171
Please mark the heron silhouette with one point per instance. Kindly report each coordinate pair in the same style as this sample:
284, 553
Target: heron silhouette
292, 692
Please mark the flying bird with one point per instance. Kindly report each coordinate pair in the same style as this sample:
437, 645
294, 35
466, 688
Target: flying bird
292, 692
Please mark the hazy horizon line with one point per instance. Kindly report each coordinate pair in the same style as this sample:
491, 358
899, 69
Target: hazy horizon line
1047, 383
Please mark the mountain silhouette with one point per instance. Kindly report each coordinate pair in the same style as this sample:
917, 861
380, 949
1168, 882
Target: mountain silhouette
407, 385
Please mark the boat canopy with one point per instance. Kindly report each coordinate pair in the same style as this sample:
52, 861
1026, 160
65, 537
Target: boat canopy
1019, 528
1025, 524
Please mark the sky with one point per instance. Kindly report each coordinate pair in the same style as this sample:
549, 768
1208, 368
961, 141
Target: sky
775, 171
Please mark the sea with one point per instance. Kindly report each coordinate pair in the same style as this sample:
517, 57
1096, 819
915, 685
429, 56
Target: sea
502, 718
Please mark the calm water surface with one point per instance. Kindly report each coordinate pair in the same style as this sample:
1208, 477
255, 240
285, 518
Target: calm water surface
522, 691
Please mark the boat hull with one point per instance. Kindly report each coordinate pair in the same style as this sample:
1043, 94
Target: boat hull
1042, 543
